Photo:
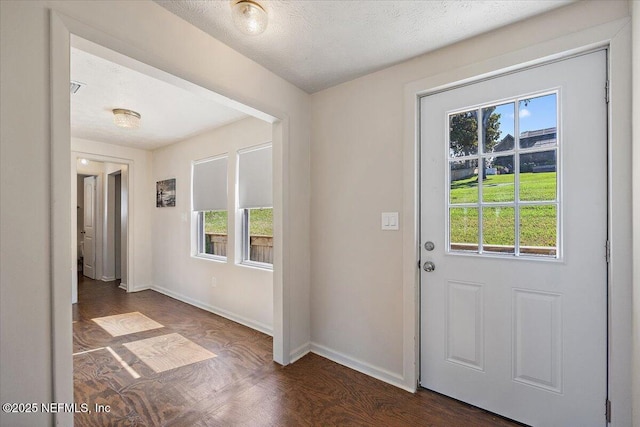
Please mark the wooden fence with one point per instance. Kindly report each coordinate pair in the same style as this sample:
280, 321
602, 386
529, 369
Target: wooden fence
216, 244
261, 247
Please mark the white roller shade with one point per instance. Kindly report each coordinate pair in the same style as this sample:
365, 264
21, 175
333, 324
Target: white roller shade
255, 185
210, 185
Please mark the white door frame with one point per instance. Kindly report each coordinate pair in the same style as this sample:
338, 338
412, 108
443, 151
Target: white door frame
615, 36
128, 277
114, 233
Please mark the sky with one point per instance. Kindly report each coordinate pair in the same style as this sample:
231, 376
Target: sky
539, 113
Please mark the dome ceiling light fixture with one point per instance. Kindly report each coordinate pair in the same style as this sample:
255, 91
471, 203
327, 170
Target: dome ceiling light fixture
249, 16
126, 118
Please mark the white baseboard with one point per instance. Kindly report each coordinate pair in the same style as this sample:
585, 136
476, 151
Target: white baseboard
265, 329
141, 288
299, 352
108, 278
123, 286
360, 366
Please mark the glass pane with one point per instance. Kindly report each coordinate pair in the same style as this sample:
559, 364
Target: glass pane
463, 134
464, 182
498, 183
215, 233
497, 127
463, 229
538, 121
498, 230
261, 222
538, 179
538, 230
261, 235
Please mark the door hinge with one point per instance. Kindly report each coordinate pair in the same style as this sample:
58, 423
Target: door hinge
608, 410
606, 91
607, 248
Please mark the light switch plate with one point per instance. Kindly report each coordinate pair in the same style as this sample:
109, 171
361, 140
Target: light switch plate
390, 221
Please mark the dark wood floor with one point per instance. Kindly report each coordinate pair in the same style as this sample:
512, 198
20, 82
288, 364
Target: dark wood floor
242, 386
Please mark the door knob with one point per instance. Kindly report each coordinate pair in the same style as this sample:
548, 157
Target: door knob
429, 266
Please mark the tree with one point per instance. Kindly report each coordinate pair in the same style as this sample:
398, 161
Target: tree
463, 131
491, 126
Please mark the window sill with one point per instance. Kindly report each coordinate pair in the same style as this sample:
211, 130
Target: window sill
256, 265
206, 257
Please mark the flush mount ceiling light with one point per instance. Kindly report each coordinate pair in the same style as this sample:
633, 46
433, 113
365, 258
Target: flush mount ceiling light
249, 16
126, 118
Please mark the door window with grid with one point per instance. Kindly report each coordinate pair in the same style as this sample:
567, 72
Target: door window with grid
503, 195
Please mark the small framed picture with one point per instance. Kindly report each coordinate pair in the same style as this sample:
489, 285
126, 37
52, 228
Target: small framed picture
166, 193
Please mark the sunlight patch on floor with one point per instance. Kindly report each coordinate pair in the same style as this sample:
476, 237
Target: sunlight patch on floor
167, 352
128, 323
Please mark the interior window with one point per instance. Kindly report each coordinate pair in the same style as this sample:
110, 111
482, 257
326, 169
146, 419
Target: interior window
258, 232
213, 233
209, 205
255, 203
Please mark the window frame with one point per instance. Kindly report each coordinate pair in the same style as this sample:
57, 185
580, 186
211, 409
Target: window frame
198, 229
243, 217
245, 246
200, 240
517, 203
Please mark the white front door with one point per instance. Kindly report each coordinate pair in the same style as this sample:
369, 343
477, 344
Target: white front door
89, 241
514, 203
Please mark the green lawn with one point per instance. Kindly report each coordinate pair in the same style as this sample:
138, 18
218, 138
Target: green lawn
215, 222
537, 223
500, 188
260, 224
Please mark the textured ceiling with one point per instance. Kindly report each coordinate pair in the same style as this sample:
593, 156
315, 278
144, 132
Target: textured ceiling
320, 43
169, 113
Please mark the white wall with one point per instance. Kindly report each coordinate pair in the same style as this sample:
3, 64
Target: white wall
25, 303
117, 224
241, 293
360, 167
80, 208
141, 203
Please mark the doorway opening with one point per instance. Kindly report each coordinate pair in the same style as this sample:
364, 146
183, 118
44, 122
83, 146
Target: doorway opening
86, 196
100, 194
160, 157
68, 33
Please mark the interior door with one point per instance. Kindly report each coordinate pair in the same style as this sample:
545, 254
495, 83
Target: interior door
513, 235
89, 241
